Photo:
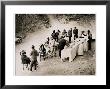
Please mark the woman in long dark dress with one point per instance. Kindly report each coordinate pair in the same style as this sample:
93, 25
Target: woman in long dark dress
25, 60
89, 40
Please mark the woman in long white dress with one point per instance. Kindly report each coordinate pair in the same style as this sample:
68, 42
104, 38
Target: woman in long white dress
53, 47
81, 44
80, 48
85, 44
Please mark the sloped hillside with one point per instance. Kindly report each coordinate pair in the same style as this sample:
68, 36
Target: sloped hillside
26, 23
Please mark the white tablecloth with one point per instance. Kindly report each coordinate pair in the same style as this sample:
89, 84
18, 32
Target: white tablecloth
69, 52
76, 48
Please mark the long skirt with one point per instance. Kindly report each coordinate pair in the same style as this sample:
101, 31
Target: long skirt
80, 49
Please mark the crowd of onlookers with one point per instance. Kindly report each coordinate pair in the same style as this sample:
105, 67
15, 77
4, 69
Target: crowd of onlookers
56, 42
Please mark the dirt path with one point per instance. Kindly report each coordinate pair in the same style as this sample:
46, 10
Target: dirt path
81, 65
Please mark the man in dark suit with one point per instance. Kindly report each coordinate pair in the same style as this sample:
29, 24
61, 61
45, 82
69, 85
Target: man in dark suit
62, 43
75, 32
34, 55
70, 35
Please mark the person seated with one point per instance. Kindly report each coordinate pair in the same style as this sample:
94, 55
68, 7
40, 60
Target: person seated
25, 60
83, 34
23, 52
49, 53
64, 33
47, 41
42, 52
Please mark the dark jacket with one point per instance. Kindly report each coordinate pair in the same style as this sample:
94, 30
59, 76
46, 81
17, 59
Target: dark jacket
70, 33
56, 34
34, 54
25, 59
75, 31
62, 43
90, 36
53, 35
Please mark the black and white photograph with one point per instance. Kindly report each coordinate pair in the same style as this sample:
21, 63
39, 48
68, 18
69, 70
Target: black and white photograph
55, 44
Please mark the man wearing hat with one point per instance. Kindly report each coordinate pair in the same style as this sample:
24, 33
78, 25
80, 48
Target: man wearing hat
34, 55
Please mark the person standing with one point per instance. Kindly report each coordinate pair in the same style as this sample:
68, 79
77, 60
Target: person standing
70, 35
85, 43
48, 40
89, 40
59, 32
53, 35
83, 34
64, 33
75, 32
62, 43
34, 53
57, 35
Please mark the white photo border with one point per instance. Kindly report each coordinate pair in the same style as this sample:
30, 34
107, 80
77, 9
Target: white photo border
98, 79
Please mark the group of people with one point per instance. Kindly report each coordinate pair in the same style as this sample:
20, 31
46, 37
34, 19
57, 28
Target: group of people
89, 35
26, 60
69, 33
56, 42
